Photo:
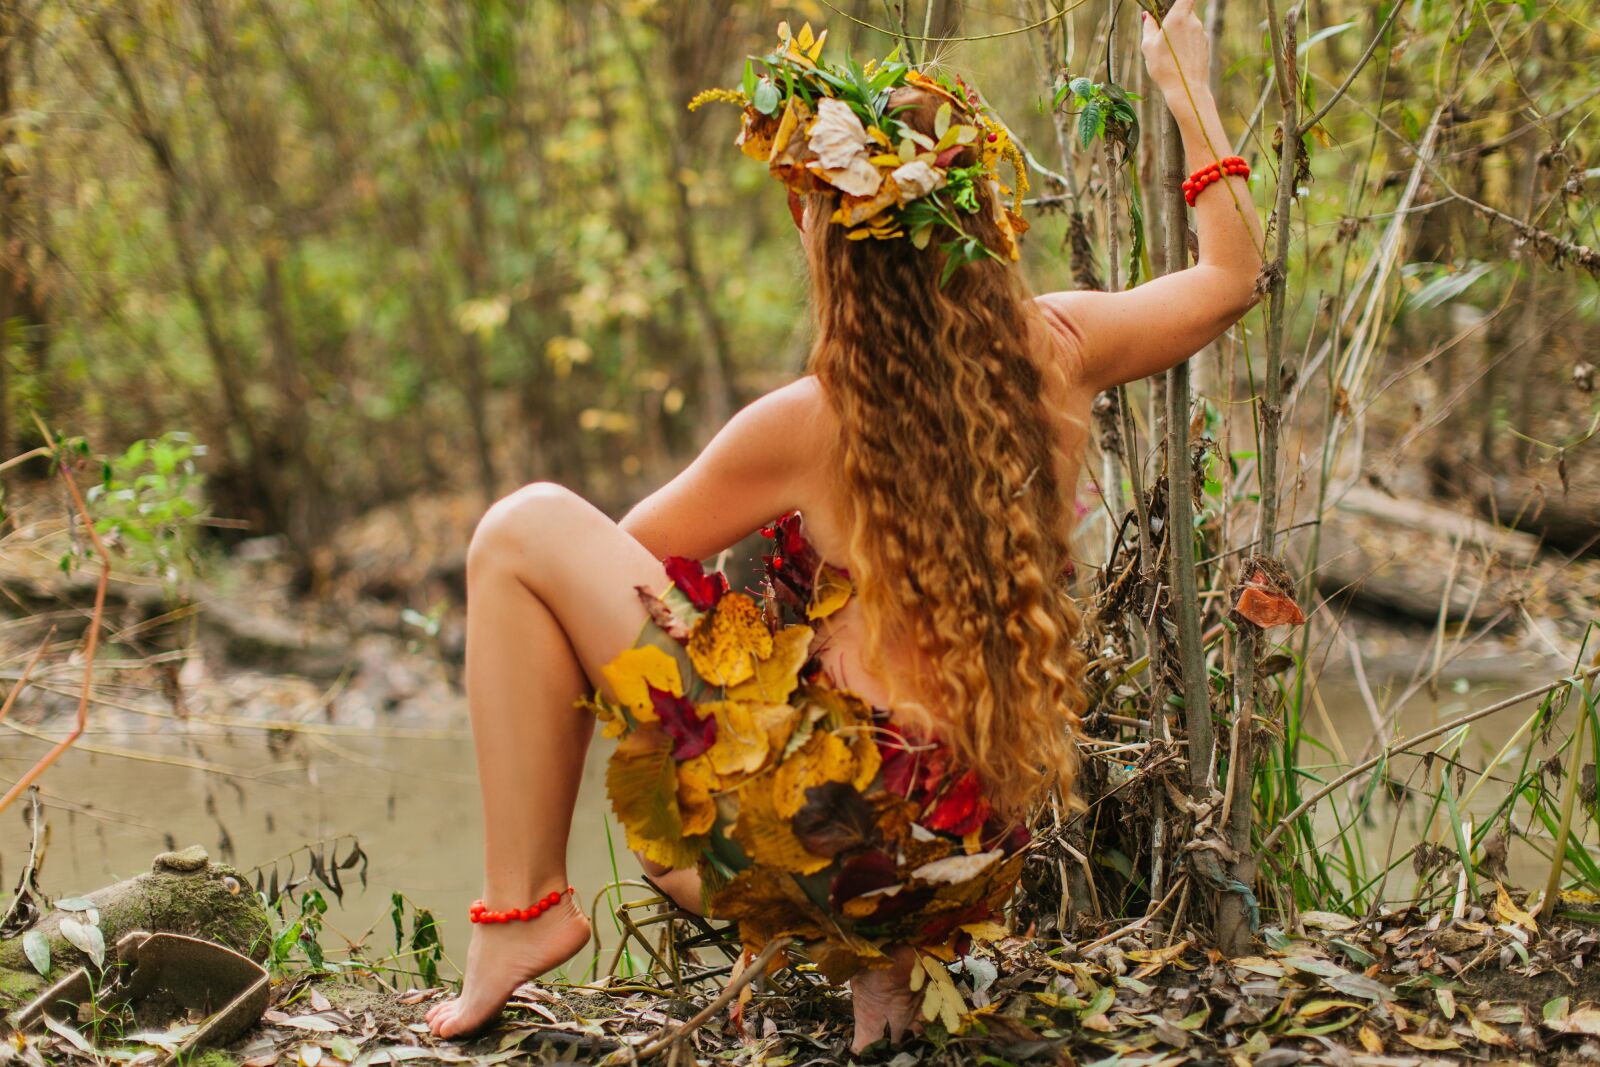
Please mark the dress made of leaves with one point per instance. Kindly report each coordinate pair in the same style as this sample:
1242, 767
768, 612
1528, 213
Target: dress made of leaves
805, 810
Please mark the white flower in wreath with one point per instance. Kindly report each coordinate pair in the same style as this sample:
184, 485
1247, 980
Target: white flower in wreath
840, 143
917, 179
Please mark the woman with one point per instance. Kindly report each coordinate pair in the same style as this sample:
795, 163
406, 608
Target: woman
933, 450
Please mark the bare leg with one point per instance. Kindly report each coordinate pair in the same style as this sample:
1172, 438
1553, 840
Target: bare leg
550, 599
883, 1000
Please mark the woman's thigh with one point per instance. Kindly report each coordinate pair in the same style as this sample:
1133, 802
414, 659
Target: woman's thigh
577, 561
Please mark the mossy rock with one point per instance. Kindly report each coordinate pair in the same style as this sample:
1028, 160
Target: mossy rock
184, 893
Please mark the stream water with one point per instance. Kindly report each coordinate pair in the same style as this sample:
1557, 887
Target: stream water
249, 796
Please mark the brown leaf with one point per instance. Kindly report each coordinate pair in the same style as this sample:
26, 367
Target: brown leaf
835, 818
642, 782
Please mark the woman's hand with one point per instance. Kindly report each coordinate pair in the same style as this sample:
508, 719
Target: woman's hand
1177, 53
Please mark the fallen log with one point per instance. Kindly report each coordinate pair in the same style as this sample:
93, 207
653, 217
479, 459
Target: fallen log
1392, 556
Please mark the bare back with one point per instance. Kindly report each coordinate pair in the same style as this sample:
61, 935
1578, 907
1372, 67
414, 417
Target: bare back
818, 497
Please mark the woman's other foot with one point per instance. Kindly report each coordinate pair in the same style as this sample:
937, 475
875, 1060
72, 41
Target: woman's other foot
884, 1001
504, 955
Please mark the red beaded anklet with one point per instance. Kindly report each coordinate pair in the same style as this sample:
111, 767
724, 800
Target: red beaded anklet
1203, 177
480, 913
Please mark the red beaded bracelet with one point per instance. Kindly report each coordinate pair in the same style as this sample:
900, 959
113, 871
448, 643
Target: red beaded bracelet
480, 913
1233, 165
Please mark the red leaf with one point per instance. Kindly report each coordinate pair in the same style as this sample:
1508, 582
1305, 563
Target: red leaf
1265, 606
792, 564
702, 589
961, 809
691, 734
863, 874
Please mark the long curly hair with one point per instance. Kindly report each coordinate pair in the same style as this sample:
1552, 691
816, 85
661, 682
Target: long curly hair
956, 513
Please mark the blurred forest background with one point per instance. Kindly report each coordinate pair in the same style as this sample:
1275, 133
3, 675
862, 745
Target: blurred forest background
362, 250
357, 267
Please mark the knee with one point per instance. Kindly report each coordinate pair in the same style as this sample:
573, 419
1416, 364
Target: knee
518, 527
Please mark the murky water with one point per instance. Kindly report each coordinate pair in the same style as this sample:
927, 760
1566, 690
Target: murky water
412, 801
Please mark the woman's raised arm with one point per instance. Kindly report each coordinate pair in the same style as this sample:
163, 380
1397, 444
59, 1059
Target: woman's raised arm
1123, 336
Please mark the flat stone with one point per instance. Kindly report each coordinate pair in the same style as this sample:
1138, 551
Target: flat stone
183, 861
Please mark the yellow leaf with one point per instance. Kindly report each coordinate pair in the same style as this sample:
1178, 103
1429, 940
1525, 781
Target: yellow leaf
697, 808
1430, 1044
986, 931
1489, 1035
767, 836
628, 675
777, 674
825, 757
941, 999
745, 734
642, 782
1370, 1040
1313, 1008
1506, 910
728, 640
830, 592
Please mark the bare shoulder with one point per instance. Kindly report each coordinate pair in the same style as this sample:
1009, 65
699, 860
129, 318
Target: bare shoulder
798, 410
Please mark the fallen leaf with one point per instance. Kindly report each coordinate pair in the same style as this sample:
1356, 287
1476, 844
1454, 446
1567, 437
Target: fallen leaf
1583, 1021
1430, 1044
1506, 910
953, 870
37, 948
86, 938
77, 1040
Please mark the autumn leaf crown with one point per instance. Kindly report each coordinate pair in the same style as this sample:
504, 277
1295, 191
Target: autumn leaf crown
821, 126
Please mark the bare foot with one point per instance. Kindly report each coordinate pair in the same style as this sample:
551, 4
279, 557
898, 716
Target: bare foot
883, 1000
504, 955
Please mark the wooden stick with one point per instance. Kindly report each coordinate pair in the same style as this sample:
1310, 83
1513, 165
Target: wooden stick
757, 967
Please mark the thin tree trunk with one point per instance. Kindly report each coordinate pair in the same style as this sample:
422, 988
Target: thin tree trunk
1234, 918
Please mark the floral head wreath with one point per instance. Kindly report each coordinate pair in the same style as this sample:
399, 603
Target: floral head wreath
821, 126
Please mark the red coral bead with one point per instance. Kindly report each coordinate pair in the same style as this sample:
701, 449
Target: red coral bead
993, 137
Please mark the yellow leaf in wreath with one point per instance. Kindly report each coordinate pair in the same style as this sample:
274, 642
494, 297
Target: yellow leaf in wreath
632, 672
767, 836
777, 675
697, 808
824, 758
642, 782
729, 640
832, 590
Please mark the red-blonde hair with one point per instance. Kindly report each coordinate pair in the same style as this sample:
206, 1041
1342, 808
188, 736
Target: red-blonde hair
957, 517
